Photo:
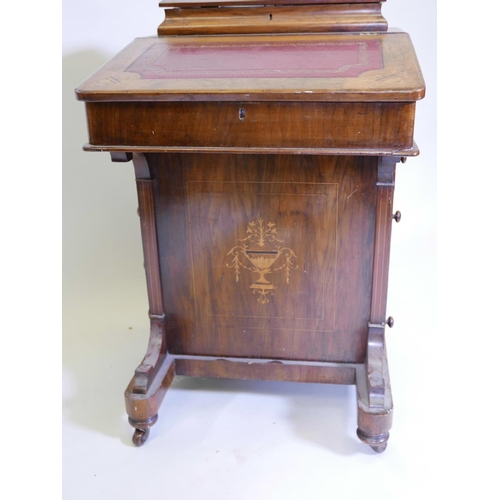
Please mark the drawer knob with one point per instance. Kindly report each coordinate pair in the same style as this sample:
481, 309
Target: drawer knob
397, 216
390, 321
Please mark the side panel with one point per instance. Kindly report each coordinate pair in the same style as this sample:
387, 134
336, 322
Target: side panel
266, 256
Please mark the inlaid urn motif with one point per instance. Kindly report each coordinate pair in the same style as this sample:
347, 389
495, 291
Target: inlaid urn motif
262, 252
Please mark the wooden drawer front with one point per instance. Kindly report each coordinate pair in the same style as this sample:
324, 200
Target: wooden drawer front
305, 125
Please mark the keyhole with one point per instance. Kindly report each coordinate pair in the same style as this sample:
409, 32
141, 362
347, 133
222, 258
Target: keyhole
242, 114
270, 17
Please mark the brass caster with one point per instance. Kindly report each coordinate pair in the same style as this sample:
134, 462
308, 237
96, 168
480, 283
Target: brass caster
140, 436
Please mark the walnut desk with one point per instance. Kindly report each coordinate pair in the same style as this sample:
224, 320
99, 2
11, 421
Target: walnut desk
264, 142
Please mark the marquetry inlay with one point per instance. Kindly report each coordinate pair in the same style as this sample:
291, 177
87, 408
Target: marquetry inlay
265, 254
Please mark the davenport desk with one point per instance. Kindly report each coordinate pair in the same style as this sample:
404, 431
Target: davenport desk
264, 141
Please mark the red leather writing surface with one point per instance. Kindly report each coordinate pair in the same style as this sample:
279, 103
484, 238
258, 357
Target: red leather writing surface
263, 60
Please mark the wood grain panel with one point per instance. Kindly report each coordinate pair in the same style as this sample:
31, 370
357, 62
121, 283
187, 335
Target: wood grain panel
266, 371
208, 201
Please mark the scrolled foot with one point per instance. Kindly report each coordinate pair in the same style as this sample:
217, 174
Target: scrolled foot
140, 436
377, 443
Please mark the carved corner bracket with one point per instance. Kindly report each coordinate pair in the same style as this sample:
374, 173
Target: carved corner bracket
156, 352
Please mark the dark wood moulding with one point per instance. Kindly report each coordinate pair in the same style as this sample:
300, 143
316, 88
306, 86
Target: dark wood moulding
400, 154
273, 19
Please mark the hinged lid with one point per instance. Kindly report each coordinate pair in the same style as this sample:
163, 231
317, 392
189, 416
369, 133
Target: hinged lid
355, 67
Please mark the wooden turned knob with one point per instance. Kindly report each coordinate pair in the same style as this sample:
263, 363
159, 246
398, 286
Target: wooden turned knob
397, 216
390, 321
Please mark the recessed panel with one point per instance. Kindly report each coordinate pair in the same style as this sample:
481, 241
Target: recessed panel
257, 249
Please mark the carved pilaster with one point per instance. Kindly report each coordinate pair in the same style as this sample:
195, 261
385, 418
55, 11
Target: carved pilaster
374, 388
383, 224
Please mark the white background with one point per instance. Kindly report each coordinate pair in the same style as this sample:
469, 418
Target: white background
236, 439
